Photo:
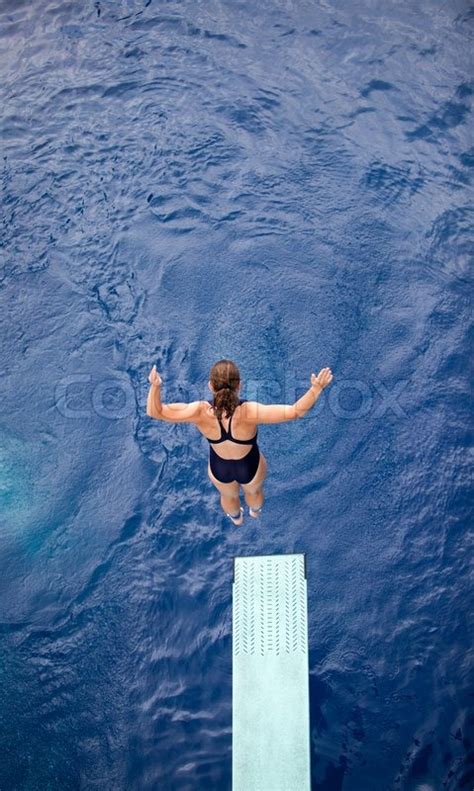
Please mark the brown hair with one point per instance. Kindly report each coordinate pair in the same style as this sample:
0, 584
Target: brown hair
225, 379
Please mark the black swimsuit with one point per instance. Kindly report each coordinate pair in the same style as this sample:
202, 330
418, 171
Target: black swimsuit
228, 470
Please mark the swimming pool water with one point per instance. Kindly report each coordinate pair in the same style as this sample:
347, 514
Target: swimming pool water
288, 185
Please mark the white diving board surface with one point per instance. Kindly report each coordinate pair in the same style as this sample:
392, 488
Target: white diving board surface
270, 685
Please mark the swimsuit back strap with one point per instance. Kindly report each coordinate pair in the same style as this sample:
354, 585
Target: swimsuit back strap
229, 433
223, 431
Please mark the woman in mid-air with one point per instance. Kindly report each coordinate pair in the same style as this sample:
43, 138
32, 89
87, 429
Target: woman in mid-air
235, 459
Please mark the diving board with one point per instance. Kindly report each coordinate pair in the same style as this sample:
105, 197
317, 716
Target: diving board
270, 695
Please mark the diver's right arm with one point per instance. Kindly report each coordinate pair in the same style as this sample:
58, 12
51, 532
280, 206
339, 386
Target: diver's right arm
254, 412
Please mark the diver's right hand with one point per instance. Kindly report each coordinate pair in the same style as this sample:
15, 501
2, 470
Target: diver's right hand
154, 377
323, 379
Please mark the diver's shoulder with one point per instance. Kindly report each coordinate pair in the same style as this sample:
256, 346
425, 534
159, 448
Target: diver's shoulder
248, 411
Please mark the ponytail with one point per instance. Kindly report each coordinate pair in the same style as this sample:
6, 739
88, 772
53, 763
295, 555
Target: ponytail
225, 400
225, 379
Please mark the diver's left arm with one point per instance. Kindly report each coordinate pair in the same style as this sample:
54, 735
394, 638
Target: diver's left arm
175, 413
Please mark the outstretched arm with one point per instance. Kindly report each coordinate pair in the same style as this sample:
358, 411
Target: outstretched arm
254, 412
174, 413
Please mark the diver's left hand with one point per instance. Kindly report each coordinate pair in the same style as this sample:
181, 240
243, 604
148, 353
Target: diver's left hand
154, 377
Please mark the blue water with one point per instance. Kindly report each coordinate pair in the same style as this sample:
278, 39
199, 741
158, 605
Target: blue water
287, 184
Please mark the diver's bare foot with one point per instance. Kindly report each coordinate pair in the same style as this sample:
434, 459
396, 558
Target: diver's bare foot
238, 519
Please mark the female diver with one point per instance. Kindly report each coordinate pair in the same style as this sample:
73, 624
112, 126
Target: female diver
236, 460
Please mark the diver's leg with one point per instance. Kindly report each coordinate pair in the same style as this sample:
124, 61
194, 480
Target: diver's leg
253, 491
230, 495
